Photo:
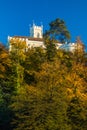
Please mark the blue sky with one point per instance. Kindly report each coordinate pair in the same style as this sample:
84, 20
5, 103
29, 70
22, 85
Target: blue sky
17, 15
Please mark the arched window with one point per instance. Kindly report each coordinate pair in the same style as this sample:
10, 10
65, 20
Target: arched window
38, 35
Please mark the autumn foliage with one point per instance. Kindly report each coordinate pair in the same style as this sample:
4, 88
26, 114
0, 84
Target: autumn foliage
42, 89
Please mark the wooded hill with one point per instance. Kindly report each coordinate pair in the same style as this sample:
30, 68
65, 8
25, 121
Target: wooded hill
43, 89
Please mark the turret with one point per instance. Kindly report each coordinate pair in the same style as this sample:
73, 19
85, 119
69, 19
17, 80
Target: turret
36, 31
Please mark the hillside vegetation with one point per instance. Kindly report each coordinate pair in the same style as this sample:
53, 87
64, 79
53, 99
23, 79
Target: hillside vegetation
42, 89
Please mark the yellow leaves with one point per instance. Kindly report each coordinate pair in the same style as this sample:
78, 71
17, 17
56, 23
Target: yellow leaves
17, 43
70, 93
4, 61
60, 54
29, 91
18, 47
3, 55
2, 68
76, 83
1, 76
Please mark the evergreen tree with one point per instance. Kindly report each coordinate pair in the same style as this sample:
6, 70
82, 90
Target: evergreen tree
58, 31
50, 49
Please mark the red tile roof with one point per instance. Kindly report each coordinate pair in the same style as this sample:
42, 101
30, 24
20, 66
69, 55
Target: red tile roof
29, 38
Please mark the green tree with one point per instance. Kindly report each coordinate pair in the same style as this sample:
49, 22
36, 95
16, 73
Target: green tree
50, 49
17, 56
34, 58
6, 88
58, 31
43, 105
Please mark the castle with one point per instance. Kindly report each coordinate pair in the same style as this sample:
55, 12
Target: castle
36, 39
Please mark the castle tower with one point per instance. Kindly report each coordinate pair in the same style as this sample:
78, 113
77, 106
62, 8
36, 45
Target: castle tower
36, 31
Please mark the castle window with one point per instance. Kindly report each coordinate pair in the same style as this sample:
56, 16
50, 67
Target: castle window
38, 35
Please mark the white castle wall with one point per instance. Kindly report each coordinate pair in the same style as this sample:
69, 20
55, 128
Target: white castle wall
36, 31
35, 40
31, 43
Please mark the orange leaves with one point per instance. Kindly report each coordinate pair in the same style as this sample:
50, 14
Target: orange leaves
4, 61
3, 55
2, 68
76, 84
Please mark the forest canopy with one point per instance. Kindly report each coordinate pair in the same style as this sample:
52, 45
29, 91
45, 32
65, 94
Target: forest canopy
43, 89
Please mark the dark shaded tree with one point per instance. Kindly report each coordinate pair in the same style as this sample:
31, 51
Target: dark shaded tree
51, 50
58, 31
6, 88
